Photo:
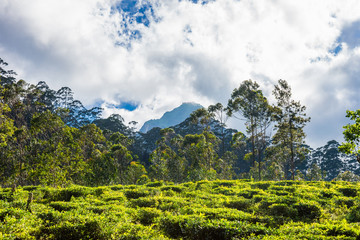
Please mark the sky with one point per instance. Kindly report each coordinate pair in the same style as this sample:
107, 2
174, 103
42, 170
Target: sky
140, 58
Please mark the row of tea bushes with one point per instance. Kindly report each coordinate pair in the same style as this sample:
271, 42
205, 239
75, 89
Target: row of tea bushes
238, 209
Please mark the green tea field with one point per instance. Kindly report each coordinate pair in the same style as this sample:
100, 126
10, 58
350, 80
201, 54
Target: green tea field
238, 209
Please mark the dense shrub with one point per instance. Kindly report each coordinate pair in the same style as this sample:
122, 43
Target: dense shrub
134, 194
63, 206
348, 191
65, 194
70, 231
348, 202
144, 202
146, 216
281, 209
177, 189
239, 204
354, 214
327, 193
196, 227
340, 230
261, 185
308, 211
155, 184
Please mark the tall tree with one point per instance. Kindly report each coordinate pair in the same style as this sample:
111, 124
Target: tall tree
64, 97
201, 116
47, 96
290, 118
6, 76
219, 113
248, 103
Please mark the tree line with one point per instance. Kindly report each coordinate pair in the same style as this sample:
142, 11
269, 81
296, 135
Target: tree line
47, 137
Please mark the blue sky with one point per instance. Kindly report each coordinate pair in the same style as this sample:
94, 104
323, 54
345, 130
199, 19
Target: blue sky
140, 58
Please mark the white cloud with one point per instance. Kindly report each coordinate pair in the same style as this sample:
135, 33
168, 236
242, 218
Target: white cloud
190, 52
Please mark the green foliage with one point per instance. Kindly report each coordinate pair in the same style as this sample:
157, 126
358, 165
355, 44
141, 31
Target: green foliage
7, 128
352, 135
307, 210
220, 209
199, 150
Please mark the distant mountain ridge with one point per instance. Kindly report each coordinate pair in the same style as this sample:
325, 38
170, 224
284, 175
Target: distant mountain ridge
172, 117
331, 160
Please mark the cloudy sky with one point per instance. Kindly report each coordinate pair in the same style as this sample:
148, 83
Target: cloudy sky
152, 55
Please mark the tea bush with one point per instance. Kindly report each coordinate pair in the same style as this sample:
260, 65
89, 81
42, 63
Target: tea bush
231, 209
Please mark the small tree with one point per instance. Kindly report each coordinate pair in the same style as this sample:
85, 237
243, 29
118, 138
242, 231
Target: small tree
136, 173
314, 173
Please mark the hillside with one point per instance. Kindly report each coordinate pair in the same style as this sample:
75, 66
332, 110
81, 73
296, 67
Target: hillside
238, 209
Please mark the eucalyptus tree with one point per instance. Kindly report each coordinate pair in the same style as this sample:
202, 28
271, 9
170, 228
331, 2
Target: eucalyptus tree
6, 76
248, 103
219, 113
47, 96
201, 116
290, 118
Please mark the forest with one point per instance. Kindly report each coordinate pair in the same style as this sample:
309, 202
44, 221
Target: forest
49, 138
67, 173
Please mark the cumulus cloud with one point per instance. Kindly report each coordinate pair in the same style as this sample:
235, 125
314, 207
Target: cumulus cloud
159, 54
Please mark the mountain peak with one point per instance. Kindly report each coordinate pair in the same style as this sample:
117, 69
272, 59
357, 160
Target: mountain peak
171, 118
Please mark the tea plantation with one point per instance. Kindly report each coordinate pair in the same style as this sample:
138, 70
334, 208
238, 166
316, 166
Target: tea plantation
238, 209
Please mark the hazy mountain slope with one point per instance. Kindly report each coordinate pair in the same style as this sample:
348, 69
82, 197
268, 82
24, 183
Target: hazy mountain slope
172, 117
332, 161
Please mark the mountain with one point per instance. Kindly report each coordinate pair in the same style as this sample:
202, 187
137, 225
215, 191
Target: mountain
172, 117
331, 160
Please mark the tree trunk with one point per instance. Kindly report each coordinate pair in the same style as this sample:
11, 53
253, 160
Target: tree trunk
292, 161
